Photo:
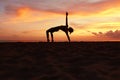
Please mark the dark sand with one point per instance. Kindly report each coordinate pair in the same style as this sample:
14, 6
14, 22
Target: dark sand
60, 61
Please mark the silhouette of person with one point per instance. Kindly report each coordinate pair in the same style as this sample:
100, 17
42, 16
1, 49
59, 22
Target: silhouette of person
55, 29
64, 28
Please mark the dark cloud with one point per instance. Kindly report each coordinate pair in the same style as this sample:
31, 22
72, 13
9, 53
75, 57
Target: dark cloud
115, 34
110, 34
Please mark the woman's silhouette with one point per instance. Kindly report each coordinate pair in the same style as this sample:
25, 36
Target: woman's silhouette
64, 28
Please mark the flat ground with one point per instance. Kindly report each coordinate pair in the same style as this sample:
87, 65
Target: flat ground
60, 61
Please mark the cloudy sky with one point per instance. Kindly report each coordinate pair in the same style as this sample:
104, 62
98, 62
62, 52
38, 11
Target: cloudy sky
28, 20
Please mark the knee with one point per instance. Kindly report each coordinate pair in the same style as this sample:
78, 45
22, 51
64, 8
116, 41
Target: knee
47, 32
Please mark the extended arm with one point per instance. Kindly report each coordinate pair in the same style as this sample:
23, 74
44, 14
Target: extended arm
66, 19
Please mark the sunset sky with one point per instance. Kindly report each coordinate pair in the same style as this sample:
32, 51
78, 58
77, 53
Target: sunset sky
28, 20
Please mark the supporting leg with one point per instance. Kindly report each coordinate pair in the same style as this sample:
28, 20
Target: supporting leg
68, 37
52, 37
47, 34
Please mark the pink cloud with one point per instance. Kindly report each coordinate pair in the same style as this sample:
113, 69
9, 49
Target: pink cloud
60, 6
10, 9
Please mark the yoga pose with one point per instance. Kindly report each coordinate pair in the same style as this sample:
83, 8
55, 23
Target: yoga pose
64, 28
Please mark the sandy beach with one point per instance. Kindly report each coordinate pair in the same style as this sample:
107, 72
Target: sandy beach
60, 61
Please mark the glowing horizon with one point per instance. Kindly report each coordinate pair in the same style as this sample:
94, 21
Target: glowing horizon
92, 20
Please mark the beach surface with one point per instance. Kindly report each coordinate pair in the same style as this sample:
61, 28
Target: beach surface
60, 61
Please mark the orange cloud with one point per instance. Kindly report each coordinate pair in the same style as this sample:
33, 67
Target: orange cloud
23, 11
19, 11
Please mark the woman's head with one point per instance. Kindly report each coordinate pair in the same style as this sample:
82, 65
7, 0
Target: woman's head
70, 29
